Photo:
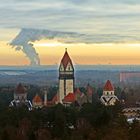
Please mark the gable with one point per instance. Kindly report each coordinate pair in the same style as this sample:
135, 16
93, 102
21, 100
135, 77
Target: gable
61, 68
66, 61
69, 67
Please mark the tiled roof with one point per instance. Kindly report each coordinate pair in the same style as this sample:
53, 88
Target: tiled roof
66, 59
37, 99
20, 89
69, 98
108, 86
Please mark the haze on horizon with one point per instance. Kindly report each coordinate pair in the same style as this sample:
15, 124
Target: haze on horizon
101, 19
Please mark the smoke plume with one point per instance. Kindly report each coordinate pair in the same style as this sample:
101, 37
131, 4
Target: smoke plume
26, 36
23, 40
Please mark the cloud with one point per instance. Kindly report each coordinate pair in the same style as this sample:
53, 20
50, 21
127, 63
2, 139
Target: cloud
23, 41
71, 21
94, 17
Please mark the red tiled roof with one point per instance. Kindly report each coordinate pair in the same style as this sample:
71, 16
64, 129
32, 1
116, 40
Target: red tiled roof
108, 86
66, 59
69, 98
37, 99
20, 89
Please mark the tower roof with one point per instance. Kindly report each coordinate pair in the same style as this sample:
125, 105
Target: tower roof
20, 89
66, 59
108, 86
69, 98
37, 99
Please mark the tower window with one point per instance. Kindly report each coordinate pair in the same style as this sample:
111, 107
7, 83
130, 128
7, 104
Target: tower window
69, 68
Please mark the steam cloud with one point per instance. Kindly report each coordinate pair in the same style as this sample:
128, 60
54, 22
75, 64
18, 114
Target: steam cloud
26, 36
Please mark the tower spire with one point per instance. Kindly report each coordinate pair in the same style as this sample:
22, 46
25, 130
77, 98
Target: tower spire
66, 76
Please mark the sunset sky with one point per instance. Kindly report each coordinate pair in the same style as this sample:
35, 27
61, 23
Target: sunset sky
112, 28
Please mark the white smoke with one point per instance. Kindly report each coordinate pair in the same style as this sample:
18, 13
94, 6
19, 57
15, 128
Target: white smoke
26, 36
23, 40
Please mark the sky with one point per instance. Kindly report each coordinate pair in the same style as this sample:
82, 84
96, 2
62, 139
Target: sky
113, 25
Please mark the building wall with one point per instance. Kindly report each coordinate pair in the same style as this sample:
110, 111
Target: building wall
37, 105
108, 92
108, 100
126, 76
20, 96
61, 90
66, 86
69, 86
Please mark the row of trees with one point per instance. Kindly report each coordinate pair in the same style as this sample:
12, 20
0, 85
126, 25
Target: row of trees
90, 122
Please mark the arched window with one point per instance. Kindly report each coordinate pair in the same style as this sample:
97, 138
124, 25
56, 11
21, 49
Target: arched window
69, 68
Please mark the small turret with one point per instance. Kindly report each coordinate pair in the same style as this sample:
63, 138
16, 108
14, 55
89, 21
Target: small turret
108, 97
20, 97
37, 102
20, 93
